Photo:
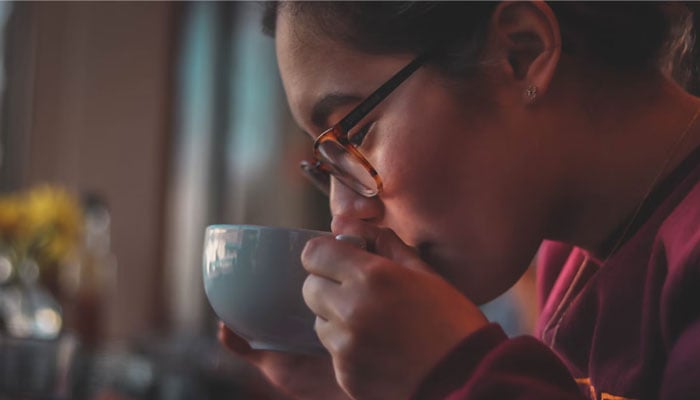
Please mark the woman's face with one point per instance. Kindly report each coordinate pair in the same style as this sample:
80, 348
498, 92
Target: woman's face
459, 170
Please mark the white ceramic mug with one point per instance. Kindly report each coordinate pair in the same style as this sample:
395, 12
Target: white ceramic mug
253, 278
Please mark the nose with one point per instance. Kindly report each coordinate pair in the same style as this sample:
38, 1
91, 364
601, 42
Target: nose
346, 202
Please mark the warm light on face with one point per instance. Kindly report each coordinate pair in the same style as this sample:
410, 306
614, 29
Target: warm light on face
337, 157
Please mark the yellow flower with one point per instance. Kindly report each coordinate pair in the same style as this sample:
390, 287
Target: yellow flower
44, 223
11, 215
52, 223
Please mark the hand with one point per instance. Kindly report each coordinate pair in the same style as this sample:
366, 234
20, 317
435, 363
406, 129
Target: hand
299, 376
385, 317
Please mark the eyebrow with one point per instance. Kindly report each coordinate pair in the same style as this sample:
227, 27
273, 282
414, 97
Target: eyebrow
323, 108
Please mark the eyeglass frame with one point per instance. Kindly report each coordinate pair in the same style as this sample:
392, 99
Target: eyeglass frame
319, 171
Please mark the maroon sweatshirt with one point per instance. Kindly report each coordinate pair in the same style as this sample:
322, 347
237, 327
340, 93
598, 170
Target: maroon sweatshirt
626, 328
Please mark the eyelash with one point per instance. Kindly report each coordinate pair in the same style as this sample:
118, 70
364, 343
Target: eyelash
358, 136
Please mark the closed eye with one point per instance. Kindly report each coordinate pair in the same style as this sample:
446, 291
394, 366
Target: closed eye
356, 138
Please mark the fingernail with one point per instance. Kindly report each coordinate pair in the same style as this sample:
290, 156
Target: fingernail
356, 240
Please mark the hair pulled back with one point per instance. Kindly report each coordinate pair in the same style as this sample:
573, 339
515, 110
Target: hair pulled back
620, 35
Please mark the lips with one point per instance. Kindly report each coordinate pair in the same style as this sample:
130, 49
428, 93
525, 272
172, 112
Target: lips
427, 254
437, 262
423, 250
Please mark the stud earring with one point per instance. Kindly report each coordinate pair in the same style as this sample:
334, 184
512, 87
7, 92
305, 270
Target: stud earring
531, 93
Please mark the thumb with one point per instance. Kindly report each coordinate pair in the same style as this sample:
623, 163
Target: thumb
236, 344
388, 244
381, 241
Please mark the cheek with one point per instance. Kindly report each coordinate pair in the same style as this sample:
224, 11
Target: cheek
448, 163
421, 149
432, 160
418, 175
448, 180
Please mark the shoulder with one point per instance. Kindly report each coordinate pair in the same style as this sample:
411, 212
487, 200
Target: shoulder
679, 234
677, 251
551, 258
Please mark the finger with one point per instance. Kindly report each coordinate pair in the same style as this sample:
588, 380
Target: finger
358, 241
351, 227
389, 245
239, 345
321, 295
232, 341
333, 259
330, 336
384, 241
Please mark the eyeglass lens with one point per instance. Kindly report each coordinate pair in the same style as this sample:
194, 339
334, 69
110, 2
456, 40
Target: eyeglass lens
347, 168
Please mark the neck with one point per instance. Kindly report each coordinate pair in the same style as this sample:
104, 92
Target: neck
631, 141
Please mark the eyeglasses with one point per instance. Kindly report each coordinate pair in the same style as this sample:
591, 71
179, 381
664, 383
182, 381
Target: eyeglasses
335, 155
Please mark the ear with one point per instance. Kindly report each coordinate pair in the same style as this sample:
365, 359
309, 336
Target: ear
528, 41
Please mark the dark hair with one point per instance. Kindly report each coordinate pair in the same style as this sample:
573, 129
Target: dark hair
621, 35
454, 32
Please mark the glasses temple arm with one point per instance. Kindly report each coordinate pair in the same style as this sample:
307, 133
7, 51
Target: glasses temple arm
380, 94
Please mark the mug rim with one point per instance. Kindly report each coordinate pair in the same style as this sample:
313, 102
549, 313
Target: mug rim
231, 227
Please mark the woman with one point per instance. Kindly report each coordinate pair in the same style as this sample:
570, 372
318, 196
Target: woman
509, 124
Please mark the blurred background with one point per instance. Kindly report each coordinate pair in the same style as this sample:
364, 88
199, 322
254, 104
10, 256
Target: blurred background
125, 129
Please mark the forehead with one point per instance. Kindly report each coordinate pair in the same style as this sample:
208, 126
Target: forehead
313, 66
